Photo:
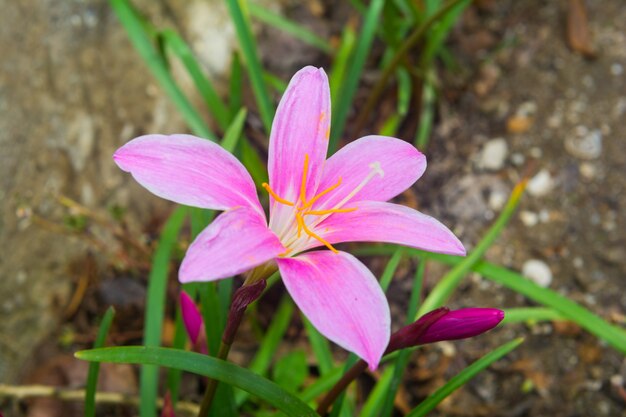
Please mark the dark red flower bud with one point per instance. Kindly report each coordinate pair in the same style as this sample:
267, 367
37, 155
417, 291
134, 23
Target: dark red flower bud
444, 324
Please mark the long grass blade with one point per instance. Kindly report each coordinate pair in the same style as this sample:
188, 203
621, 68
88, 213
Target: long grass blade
199, 364
179, 48
444, 289
353, 75
531, 314
287, 26
155, 307
462, 378
320, 346
253, 63
274, 335
94, 368
135, 27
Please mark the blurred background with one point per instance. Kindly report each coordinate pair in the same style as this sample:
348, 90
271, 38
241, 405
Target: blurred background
530, 88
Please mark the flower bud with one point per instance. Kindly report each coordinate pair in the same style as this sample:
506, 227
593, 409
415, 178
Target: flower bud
243, 297
193, 322
461, 324
445, 324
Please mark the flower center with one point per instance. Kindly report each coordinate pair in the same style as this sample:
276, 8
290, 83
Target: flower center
303, 207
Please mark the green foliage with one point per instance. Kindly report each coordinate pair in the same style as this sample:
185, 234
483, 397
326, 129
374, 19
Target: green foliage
396, 28
291, 370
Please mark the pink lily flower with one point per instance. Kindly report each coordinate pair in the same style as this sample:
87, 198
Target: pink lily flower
314, 202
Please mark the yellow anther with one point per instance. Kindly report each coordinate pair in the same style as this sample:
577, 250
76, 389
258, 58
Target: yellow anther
303, 183
330, 211
313, 235
323, 193
276, 196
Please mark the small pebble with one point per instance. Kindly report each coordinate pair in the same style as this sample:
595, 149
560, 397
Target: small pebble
587, 170
497, 200
585, 146
536, 152
617, 380
617, 69
529, 218
541, 184
517, 159
544, 216
493, 154
538, 272
578, 262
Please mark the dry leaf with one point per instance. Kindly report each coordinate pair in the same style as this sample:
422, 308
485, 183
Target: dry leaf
578, 35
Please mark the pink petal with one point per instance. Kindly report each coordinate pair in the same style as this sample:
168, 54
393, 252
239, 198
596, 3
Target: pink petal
236, 241
189, 170
401, 164
191, 317
301, 126
375, 221
342, 299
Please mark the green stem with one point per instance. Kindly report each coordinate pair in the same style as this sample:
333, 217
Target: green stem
346, 379
211, 387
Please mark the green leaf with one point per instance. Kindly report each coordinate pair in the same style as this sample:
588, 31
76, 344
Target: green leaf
286, 25
252, 161
234, 131
446, 286
253, 64
177, 46
340, 63
274, 335
155, 307
291, 370
94, 368
401, 362
320, 346
136, 28
323, 384
427, 115
353, 75
390, 269
234, 85
532, 314
462, 378
377, 397
174, 376
196, 363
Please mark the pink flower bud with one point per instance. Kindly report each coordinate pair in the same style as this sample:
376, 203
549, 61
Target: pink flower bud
461, 324
168, 408
445, 324
193, 323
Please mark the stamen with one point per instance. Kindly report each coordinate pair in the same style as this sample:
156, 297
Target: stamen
303, 184
276, 197
330, 211
300, 222
375, 170
313, 235
323, 193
